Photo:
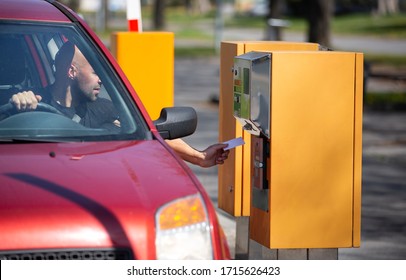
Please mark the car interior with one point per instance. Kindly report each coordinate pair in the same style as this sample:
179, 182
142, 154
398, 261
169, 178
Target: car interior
27, 55
12, 68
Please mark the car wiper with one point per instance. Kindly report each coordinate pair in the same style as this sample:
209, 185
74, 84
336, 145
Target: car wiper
28, 140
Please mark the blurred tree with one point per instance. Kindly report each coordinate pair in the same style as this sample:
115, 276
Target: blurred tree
158, 15
388, 7
191, 6
319, 14
354, 6
102, 16
188, 6
73, 4
274, 22
202, 6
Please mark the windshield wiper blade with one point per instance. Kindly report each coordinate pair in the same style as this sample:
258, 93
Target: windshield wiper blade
28, 140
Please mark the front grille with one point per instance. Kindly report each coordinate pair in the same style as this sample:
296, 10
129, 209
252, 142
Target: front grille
68, 254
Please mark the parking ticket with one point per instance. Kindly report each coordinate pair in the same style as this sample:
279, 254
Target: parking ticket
234, 143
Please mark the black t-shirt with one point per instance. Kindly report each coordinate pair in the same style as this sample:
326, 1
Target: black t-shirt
99, 113
93, 114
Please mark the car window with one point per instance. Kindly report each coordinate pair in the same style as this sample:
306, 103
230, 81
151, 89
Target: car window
83, 98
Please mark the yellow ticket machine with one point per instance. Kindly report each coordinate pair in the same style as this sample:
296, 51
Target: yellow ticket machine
303, 110
234, 175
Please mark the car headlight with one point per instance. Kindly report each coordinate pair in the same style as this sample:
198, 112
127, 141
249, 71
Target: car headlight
183, 230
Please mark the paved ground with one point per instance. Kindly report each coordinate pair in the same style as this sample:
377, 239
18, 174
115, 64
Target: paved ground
384, 163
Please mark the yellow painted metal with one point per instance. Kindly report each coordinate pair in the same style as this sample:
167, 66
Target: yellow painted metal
230, 173
234, 175
358, 109
315, 152
147, 59
315, 163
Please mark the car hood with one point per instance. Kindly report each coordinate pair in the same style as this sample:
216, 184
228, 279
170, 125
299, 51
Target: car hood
102, 194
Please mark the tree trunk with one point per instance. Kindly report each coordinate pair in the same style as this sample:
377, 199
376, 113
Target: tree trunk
387, 7
319, 17
202, 6
188, 6
159, 15
105, 10
274, 23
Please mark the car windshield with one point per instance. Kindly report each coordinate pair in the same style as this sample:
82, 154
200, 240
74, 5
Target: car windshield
82, 97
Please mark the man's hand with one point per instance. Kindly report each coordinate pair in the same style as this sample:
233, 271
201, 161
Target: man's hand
214, 154
25, 100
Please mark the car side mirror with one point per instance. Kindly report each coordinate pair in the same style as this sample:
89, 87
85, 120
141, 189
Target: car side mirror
176, 122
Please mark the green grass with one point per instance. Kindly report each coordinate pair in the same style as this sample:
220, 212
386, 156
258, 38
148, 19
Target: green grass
365, 24
190, 32
194, 52
179, 15
385, 101
241, 21
394, 60
357, 24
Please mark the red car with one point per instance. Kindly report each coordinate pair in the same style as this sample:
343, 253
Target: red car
72, 191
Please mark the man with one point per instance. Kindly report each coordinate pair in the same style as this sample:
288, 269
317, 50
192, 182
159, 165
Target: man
75, 93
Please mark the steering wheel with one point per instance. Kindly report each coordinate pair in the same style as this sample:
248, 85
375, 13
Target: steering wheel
41, 106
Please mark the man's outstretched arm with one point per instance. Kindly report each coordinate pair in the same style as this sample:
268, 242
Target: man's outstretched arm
209, 157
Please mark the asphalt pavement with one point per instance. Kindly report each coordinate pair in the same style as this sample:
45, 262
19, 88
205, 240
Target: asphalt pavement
383, 224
